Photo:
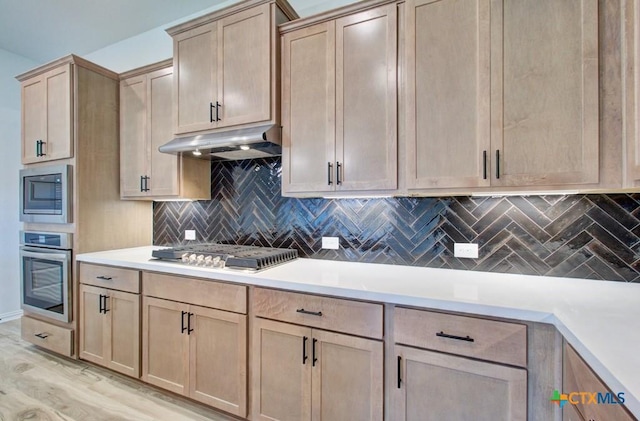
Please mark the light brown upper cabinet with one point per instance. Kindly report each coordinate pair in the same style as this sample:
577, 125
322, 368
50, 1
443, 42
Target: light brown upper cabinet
46, 115
339, 108
145, 124
225, 67
501, 93
631, 54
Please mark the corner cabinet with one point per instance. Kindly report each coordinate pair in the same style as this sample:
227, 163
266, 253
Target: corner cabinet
195, 339
110, 318
579, 377
301, 371
47, 109
145, 125
225, 67
514, 104
458, 368
339, 104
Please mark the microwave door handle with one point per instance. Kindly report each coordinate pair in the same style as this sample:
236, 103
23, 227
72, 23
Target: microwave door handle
45, 255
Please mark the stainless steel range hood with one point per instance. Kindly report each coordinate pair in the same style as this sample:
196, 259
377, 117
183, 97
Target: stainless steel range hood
248, 143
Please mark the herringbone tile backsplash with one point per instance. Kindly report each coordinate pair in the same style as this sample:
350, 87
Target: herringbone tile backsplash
581, 236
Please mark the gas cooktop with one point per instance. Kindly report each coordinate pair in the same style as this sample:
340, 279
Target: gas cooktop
227, 256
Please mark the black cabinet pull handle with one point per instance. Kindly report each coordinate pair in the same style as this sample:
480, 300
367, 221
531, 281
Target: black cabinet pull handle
313, 353
100, 307
329, 171
497, 163
484, 165
189, 330
460, 338
104, 278
211, 120
42, 143
304, 350
218, 105
399, 371
42, 335
182, 326
142, 183
105, 309
338, 167
38, 147
313, 313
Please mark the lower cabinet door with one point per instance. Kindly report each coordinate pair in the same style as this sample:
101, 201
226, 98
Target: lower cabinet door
218, 359
92, 325
123, 328
435, 386
281, 371
165, 344
347, 377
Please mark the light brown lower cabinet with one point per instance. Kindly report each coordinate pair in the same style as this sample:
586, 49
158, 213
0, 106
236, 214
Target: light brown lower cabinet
436, 386
300, 373
579, 377
196, 351
110, 329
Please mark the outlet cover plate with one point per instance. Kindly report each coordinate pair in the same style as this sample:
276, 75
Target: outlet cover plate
465, 250
332, 243
190, 234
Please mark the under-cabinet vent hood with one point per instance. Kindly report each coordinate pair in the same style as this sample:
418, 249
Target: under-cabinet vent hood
248, 143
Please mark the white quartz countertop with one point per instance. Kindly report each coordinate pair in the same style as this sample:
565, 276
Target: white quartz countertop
600, 319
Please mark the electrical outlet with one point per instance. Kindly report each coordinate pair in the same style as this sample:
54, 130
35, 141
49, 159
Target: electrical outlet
332, 243
190, 234
465, 250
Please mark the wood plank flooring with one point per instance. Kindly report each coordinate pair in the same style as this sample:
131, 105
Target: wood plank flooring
38, 385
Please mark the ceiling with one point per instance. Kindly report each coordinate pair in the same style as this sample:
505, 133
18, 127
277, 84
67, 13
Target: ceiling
43, 30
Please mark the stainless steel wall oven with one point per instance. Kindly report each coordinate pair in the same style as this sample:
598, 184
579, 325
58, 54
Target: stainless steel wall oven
45, 272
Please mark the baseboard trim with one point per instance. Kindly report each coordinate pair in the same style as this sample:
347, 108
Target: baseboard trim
10, 316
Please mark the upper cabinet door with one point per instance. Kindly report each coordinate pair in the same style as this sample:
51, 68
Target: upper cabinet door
46, 116
133, 134
544, 92
366, 100
308, 109
195, 64
165, 170
244, 67
447, 93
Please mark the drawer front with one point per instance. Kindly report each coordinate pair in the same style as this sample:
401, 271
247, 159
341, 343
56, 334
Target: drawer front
111, 277
196, 291
354, 317
54, 338
489, 340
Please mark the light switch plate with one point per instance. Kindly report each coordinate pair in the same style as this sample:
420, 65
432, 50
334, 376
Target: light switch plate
465, 250
190, 234
332, 243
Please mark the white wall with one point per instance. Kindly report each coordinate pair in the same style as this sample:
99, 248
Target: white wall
10, 66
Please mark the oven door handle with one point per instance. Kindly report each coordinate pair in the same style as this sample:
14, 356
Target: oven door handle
45, 255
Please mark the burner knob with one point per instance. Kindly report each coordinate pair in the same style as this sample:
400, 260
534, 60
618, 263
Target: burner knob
185, 258
200, 259
208, 260
192, 259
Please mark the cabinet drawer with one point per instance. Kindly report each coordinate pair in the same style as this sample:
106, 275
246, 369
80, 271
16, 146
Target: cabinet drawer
354, 317
490, 340
196, 291
55, 338
110, 277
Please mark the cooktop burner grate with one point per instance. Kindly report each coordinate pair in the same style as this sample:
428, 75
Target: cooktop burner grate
227, 255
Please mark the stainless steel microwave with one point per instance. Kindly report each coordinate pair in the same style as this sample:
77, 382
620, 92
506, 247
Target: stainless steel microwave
46, 194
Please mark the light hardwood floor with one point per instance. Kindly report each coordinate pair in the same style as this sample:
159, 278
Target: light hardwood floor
38, 385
